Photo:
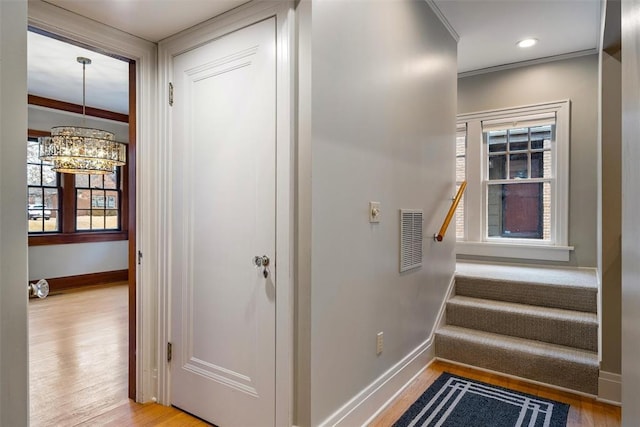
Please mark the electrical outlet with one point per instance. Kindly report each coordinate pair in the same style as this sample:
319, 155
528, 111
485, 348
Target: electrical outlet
379, 342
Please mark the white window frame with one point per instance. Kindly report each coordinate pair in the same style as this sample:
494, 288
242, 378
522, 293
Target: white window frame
477, 242
461, 128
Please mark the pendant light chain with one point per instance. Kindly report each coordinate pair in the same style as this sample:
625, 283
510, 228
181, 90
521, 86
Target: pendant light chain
74, 149
84, 91
84, 61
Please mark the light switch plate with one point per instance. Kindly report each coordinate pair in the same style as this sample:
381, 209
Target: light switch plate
374, 212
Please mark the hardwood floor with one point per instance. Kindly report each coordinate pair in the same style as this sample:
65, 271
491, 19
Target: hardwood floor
78, 367
584, 412
78, 363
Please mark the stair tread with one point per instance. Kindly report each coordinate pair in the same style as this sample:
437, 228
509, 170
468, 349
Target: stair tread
529, 281
540, 348
525, 309
544, 275
527, 288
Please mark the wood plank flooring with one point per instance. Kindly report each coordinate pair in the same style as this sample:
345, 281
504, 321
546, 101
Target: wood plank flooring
78, 368
78, 363
584, 412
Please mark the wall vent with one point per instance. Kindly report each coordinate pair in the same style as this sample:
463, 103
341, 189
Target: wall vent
410, 239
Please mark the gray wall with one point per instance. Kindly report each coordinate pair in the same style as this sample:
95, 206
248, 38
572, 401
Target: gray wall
383, 94
302, 320
51, 261
630, 212
14, 385
611, 212
575, 79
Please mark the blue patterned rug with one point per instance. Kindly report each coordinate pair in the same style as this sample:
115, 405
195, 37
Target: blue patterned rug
453, 401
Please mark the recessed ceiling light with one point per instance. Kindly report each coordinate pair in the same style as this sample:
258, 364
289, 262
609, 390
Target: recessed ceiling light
527, 42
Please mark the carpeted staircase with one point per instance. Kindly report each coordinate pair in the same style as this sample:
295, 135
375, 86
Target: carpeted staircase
532, 322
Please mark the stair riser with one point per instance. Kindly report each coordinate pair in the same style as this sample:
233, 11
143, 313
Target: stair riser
564, 297
536, 367
555, 331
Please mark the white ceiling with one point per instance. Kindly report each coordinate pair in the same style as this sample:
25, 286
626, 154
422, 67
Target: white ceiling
54, 72
151, 20
490, 29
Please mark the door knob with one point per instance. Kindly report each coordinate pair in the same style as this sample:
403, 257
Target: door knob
39, 289
262, 261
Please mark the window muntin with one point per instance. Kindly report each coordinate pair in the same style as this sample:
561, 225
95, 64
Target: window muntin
520, 182
43, 192
520, 153
98, 200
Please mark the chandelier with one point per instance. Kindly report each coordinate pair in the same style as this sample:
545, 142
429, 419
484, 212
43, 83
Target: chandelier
75, 149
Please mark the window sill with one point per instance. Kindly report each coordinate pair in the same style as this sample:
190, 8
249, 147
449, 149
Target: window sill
62, 239
511, 250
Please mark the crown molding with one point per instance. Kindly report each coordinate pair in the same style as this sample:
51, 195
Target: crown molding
528, 63
432, 4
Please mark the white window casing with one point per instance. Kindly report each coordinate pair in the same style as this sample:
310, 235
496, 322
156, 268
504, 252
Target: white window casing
476, 241
461, 175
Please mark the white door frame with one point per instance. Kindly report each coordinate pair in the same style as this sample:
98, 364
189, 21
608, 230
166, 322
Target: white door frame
80, 29
238, 18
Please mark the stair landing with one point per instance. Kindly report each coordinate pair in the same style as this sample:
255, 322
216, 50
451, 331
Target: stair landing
560, 276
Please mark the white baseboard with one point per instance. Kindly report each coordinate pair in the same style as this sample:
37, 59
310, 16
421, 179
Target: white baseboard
375, 397
610, 388
441, 320
371, 401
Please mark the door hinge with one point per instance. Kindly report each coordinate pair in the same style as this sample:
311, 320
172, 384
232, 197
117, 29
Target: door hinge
169, 352
170, 94
139, 257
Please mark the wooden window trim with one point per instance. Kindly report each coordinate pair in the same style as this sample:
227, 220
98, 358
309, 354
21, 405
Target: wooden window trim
82, 237
69, 235
55, 104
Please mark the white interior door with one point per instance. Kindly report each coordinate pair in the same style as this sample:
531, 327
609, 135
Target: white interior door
223, 215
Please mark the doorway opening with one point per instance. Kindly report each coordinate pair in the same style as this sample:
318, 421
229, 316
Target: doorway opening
81, 236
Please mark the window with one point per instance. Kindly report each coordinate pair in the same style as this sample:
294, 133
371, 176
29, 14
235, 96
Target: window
516, 164
43, 192
519, 182
98, 202
67, 208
